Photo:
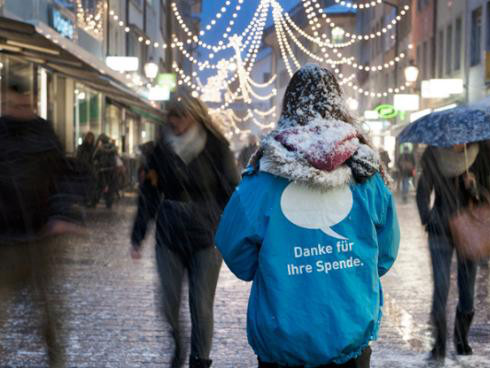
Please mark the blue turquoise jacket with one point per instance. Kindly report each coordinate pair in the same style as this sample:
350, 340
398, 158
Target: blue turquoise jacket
315, 263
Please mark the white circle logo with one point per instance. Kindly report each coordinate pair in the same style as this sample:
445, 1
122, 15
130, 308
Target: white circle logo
312, 209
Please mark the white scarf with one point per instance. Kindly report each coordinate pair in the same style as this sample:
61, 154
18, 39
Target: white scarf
452, 163
189, 144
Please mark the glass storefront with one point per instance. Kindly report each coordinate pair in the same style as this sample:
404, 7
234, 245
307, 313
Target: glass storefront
75, 109
114, 124
87, 112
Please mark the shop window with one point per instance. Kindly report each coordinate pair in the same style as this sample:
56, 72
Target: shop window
440, 55
425, 58
475, 45
87, 112
458, 43
338, 35
449, 49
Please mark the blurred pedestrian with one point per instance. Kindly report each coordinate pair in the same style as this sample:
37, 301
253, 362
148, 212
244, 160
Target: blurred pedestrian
385, 157
146, 150
406, 170
105, 165
314, 226
36, 194
247, 152
456, 176
85, 155
190, 176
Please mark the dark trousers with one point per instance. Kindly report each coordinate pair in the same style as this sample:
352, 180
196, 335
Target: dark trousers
29, 265
441, 251
363, 361
202, 270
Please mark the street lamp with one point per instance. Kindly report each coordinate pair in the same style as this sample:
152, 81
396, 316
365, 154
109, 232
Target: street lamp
411, 72
151, 69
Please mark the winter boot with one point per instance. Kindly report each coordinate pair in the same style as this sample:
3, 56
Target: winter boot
195, 362
438, 352
461, 329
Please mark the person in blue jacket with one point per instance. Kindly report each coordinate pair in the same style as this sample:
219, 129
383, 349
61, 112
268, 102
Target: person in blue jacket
314, 226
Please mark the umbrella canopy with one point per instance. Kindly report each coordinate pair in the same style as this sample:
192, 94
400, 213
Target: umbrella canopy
449, 127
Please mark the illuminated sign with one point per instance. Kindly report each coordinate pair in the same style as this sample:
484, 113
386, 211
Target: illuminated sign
383, 112
406, 102
442, 88
63, 23
167, 80
123, 63
386, 111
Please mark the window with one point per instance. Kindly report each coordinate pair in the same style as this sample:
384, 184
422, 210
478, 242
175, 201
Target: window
457, 42
418, 59
488, 27
475, 46
440, 55
338, 35
449, 49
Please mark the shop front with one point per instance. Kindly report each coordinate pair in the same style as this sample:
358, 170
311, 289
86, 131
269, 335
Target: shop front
74, 91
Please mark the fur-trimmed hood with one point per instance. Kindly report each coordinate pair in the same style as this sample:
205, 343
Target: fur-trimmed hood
314, 141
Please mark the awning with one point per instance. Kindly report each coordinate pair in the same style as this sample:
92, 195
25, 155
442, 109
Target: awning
41, 45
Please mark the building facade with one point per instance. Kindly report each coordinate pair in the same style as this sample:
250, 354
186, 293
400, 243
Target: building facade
62, 47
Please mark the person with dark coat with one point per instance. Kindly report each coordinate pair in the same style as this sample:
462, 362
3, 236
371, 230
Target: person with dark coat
38, 187
455, 177
85, 155
105, 166
406, 170
190, 176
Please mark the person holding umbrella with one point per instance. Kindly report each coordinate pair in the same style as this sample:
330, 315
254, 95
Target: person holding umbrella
454, 169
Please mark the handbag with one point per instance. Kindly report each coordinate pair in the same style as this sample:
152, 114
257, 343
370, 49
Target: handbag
470, 229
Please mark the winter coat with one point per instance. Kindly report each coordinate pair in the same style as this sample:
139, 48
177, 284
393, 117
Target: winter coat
105, 157
37, 182
450, 193
85, 153
331, 310
185, 199
406, 165
314, 226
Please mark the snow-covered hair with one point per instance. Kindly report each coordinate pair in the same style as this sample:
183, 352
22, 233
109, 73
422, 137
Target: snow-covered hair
313, 92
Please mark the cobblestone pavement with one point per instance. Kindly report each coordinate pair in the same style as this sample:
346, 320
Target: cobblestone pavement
111, 319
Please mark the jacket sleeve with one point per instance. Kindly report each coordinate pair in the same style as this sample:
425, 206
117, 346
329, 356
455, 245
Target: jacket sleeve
424, 191
149, 198
238, 239
148, 202
388, 237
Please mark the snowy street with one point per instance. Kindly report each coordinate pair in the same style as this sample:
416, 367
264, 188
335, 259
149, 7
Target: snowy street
114, 320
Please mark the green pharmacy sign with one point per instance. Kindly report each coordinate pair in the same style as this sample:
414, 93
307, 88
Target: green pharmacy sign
387, 112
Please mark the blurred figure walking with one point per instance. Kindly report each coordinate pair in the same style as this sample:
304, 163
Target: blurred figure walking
105, 165
456, 176
406, 170
36, 193
189, 178
85, 155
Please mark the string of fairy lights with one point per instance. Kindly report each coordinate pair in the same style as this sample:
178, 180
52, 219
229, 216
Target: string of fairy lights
232, 58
